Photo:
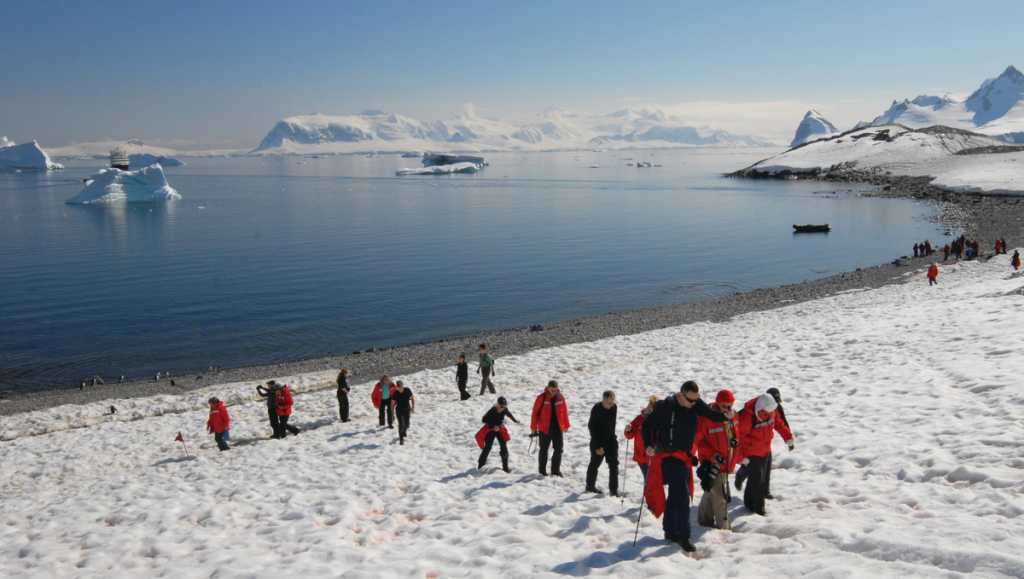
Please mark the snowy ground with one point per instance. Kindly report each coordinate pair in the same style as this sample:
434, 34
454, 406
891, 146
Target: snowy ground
906, 402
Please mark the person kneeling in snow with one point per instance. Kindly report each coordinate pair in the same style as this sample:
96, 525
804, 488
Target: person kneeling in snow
669, 433
758, 422
716, 444
219, 423
494, 429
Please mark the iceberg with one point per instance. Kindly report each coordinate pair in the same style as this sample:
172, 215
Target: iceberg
25, 157
146, 185
813, 126
5, 142
431, 159
441, 169
139, 160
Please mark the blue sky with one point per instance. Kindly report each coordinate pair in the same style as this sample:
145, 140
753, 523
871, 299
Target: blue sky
221, 73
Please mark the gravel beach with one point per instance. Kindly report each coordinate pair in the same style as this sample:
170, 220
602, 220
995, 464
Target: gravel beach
981, 217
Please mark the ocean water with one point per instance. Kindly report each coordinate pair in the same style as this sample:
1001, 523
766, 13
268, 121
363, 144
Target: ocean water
275, 259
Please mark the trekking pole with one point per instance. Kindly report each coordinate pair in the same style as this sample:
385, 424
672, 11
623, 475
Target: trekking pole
643, 497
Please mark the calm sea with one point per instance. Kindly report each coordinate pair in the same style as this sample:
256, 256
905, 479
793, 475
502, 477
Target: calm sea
267, 260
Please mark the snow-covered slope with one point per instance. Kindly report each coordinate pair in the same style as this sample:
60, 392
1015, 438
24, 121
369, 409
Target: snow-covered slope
995, 108
381, 131
146, 185
908, 461
101, 150
813, 126
25, 157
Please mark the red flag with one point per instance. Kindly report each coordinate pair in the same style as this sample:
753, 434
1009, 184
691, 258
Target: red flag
179, 438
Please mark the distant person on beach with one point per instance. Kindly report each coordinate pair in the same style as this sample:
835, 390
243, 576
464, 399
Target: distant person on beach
462, 377
270, 393
284, 411
716, 444
404, 404
917, 251
219, 423
933, 274
782, 415
381, 398
928, 247
634, 431
343, 390
549, 420
494, 429
758, 422
1015, 260
998, 247
604, 444
945, 252
1002, 242
486, 370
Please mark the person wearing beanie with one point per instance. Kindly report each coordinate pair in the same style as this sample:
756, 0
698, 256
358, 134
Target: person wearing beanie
549, 421
634, 432
716, 444
791, 444
669, 433
758, 422
494, 429
219, 423
604, 443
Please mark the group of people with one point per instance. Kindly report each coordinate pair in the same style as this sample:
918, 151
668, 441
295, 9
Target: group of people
677, 441
923, 249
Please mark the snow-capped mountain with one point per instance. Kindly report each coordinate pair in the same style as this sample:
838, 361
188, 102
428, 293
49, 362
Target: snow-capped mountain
813, 126
996, 108
382, 131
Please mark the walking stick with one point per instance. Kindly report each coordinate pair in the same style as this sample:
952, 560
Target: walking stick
643, 497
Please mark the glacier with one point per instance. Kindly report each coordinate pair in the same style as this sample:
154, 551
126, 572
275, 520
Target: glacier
109, 186
25, 157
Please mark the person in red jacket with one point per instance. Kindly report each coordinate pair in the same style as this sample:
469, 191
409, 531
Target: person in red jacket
284, 411
381, 398
549, 420
635, 432
219, 423
933, 274
758, 422
716, 448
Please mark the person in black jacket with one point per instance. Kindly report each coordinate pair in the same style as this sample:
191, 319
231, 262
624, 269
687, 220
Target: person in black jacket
270, 393
462, 377
343, 391
669, 433
404, 405
604, 444
494, 422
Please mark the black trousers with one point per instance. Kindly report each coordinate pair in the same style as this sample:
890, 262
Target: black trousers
385, 408
283, 428
272, 414
463, 393
553, 438
757, 484
221, 443
485, 381
403, 423
768, 478
486, 451
676, 521
343, 406
611, 456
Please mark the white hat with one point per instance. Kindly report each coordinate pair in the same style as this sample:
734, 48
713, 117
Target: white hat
765, 402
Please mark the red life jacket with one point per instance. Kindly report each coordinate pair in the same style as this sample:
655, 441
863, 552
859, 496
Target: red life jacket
481, 435
933, 271
712, 442
284, 401
654, 490
635, 433
219, 420
756, 435
540, 420
375, 395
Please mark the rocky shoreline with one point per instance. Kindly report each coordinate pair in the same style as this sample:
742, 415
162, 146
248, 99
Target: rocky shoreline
981, 217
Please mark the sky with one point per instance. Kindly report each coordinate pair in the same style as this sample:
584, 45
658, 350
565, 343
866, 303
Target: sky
219, 73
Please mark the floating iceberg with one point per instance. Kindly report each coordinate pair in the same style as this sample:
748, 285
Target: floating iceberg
441, 169
139, 160
431, 159
146, 185
25, 157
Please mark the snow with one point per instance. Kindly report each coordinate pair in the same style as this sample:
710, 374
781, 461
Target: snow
908, 460
379, 131
5, 142
146, 185
992, 174
441, 169
813, 126
25, 157
139, 160
101, 150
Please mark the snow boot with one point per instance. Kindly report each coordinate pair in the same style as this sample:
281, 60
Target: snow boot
686, 545
594, 490
741, 476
